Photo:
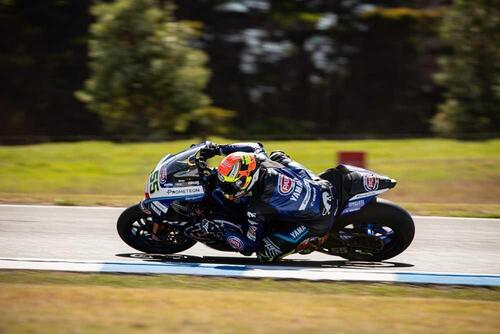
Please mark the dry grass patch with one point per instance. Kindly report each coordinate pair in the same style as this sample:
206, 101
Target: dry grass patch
77, 309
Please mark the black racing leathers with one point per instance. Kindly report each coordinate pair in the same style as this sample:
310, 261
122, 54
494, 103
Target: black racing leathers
288, 204
297, 209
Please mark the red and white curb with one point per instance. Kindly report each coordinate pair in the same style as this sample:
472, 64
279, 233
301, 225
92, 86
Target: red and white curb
250, 271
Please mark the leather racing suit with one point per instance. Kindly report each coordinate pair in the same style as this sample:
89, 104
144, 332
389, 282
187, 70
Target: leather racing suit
290, 205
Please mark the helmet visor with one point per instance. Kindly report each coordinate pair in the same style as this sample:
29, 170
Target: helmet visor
232, 188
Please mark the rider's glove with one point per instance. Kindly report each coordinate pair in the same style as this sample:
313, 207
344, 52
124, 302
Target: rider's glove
209, 151
280, 156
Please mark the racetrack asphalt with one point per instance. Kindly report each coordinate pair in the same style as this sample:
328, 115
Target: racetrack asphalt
441, 244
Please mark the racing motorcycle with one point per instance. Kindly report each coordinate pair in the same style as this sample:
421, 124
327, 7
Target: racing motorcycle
179, 193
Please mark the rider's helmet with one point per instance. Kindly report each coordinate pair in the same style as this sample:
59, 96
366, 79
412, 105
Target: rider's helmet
237, 174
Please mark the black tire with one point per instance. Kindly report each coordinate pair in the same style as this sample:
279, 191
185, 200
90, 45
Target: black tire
381, 213
133, 225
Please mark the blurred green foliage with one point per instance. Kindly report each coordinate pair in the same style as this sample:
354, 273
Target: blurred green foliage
282, 69
400, 13
145, 75
206, 121
471, 72
303, 68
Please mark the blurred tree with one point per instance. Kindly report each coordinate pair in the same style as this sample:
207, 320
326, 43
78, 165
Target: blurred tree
471, 73
346, 67
290, 68
144, 73
206, 121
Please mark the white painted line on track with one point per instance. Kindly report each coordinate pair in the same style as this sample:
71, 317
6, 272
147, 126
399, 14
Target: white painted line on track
456, 218
250, 271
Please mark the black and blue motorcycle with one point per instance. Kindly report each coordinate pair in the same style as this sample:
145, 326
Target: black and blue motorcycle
178, 193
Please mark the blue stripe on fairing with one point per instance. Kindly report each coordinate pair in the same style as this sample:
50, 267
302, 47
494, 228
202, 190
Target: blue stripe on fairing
188, 198
346, 210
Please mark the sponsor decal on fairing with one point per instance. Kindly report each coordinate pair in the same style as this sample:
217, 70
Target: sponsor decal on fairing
235, 242
156, 210
356, 205
298, 232
163, 176
160, 206
180, 191
370, 182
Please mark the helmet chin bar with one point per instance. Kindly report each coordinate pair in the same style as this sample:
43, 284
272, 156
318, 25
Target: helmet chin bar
245, 192
236, 196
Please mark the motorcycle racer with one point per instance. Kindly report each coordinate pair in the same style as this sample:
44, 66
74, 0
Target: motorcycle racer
267, 203
274, 190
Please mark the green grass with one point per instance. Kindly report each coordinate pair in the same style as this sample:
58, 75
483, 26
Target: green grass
461, 177
244, 284
46, 302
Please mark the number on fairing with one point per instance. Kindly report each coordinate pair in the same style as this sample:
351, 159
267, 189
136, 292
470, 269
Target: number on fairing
153, 182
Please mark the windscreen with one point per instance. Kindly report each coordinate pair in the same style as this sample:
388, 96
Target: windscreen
176, 177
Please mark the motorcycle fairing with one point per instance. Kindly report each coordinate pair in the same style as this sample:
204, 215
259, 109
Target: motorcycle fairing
176, 177
364, 182
360, 186
356, 205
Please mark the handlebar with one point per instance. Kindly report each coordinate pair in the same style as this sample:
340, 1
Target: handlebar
203, 169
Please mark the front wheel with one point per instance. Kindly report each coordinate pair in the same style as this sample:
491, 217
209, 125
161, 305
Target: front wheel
135, 228
379, 231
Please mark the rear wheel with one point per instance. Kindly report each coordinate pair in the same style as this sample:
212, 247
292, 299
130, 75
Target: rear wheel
135, 228
379, 231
